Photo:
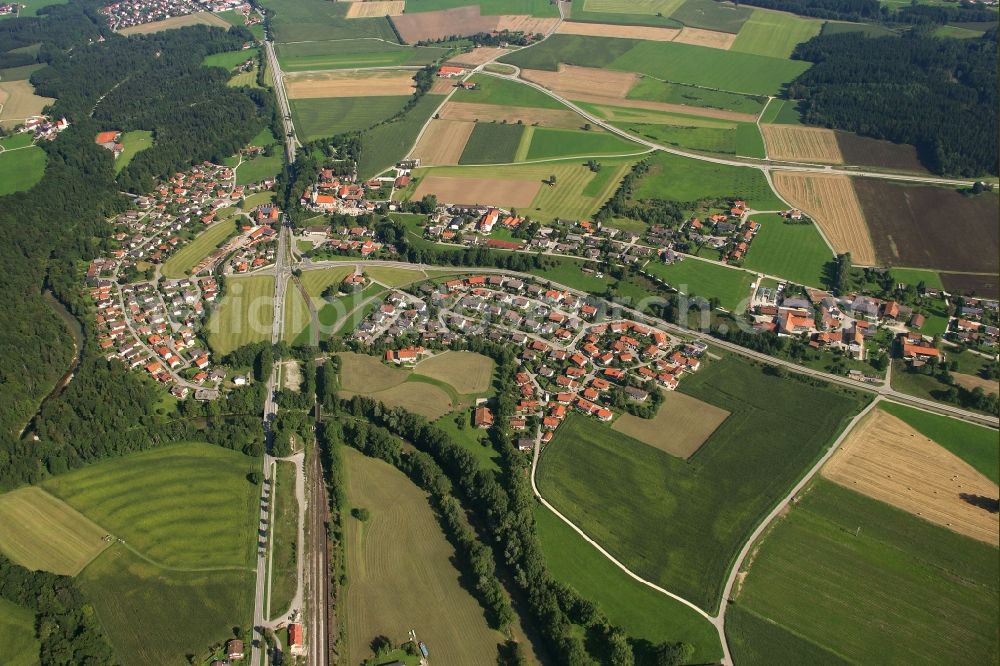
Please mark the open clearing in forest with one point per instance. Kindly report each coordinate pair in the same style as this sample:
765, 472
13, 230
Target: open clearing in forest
570, 80
375, 8
19, 102
886, 459
556, 118
516, 193
710, 38
50, 535
681, 426
833, 204
616, 30
348, 84
802, 144
443, 141
20, 169
475, 57
468, 372
198, 18
430, 26
399, 565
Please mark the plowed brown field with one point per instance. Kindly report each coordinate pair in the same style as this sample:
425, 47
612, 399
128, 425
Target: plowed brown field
832, 202
556, 118
375, 8
530, 25
571, 80
888, 460
443, 141
709, 38
516, 193
348, 84
613, 30
801, 144
445, 23
477, 57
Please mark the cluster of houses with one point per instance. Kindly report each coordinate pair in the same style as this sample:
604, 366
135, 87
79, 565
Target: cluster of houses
43, 127
975, 323
7, 8
340, 194
128, 13
569, 361
355, 241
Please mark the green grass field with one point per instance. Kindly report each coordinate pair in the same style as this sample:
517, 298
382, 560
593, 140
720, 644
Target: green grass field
244, 315
795, 252
759, 642
317, 118
915, 276
470, 438
749, 141
872, 584
51, 535
654, 13
133, 142
393, 277
782, 112
680, 523
712, 15
315, 283
713, 68
546, 143
721, 137
350, 53
385, 145
257, 199
641, 611
706, 279
259, 168
492, 90
227, 60
974, 444
654, 90
542, 8
21, 169
571, 50
774, 34
492, 143
957, 32
181, 262
683, 179
17, 635
285, 545
31, 7
316, 20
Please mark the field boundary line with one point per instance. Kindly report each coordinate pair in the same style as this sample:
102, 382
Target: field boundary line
165, 567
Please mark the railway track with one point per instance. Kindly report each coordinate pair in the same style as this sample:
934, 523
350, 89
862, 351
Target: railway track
321, 639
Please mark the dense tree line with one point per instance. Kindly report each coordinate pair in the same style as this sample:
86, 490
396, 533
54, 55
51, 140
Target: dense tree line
650, 211
843, 10
937, 94
65, 624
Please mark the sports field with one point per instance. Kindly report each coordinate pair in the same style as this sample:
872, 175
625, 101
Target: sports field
774, 34
706, 279
886, 459
50, 535
351, 53
17, 635
285, 554
492, 143
244, 315
633, 499
133, 142
679, 428
468, 372
20, 169
399, 565
317, 118
683, 179
795, 252
871, 584
641, 611
546, 143
180, 263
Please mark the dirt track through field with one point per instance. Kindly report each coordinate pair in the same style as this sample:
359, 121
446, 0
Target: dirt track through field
832, 202
666, 107
348, 84
614, 30
530, 25
888, 460
198, 18
802, 144
443, 142
375, 8
516, 193
556, 118
709, 38
445, 23
570, 80
477, 57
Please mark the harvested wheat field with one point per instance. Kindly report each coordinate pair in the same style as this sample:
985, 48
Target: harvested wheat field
441, 86
709, 38
570, 80
888, 460
449, 189
681, 426
198, 18
313, 85
616, 108
19, 102
443, 142
422, 26
801, 144
375, 8
832, 202
614, 30
477, 57
555, 118
360, 373
530, 25
971, 382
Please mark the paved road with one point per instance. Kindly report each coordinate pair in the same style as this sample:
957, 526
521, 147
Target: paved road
291, 141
